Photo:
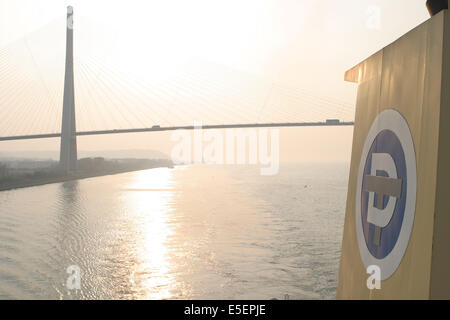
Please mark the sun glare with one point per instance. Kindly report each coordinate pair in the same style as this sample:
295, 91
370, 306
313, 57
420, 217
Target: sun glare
149, 199
155, 38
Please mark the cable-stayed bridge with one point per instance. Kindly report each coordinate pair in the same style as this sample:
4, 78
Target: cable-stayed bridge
50, 90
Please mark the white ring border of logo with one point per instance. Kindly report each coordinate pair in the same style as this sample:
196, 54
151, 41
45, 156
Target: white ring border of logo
389, 120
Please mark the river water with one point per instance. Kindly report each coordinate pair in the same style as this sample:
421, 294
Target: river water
193, 232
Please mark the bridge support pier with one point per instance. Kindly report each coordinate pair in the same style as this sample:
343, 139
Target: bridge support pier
68, 150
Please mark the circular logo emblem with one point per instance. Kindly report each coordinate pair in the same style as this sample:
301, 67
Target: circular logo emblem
386, 193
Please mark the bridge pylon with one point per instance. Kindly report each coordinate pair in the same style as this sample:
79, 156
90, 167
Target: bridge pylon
68, 150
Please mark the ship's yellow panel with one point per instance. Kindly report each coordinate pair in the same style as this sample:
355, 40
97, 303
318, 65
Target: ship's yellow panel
405, 78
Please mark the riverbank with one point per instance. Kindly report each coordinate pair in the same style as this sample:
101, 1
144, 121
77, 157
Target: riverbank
49, 177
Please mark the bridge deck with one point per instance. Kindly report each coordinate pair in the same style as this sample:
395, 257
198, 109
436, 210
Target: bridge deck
206, 127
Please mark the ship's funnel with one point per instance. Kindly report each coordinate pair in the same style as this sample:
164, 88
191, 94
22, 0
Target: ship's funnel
436, 6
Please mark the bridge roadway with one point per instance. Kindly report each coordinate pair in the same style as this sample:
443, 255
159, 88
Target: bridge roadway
205, 127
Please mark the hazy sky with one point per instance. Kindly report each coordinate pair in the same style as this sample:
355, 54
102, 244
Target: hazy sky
303, 44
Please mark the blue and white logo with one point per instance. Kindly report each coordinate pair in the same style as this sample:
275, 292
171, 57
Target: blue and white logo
386, 193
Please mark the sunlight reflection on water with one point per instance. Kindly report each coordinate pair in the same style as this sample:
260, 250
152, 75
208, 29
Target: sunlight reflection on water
151, 211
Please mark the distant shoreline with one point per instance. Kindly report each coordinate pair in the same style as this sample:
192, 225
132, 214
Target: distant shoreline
71, 177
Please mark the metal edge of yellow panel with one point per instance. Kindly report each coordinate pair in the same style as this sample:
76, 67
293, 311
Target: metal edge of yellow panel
440, 264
